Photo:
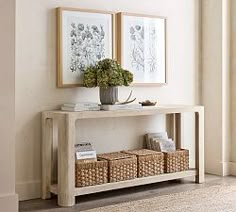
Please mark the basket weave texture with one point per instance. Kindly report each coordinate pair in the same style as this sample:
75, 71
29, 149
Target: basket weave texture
150, 162
91, 173
121, 166
176, 161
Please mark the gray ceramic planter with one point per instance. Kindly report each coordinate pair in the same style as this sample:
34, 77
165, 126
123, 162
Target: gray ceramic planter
108, 96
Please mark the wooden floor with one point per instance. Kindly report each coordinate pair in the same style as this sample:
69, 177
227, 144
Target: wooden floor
123, 195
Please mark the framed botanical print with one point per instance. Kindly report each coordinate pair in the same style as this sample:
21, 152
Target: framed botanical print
84, 37
142, 47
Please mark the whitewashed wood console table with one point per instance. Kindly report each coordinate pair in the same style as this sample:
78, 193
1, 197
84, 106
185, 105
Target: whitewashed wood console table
60, 126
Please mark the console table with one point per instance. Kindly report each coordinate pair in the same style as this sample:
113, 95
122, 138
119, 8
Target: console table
60, 125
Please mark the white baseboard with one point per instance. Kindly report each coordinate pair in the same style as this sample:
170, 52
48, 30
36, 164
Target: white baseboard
221, 169
32, 190
215, 168
233, 168
9, 203
28, 190
226, 168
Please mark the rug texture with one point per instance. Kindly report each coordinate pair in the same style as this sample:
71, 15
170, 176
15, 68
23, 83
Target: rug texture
208, 199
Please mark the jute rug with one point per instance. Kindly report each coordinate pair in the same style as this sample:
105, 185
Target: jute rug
220, 198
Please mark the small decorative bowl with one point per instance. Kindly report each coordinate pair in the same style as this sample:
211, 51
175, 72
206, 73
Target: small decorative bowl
148, 103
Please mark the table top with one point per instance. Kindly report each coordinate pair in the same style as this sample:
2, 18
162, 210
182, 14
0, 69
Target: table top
144, 111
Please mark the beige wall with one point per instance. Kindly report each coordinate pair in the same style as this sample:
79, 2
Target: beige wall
216, 84
233, 78
8, 199
212, 81
36, 80
226, 84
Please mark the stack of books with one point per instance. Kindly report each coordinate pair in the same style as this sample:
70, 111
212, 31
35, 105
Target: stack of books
80, 106
121, 107
160, 142
84, 152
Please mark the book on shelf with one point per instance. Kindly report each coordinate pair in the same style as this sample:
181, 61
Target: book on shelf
121, 107
84, 152
86, 155
81, 104
80, 108
83, 146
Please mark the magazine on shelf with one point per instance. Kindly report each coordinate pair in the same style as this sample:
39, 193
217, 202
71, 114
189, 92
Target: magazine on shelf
160, 135
163, 145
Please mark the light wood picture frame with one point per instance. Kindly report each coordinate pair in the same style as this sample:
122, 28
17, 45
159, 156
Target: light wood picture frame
83, 38
141, 47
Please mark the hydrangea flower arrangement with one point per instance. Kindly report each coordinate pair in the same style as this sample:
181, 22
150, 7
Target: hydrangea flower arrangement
107, 73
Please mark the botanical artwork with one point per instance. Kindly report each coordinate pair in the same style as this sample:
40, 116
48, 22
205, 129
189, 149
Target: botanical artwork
87, 45
143, 47
139, 60
86, 38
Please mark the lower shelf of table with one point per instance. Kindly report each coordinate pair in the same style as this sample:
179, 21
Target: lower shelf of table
129, 183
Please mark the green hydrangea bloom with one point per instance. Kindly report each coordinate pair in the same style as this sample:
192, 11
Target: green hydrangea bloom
107, 73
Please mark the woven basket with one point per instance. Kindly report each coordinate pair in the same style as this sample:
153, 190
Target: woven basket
176, 161
150, 162
121, 166
91, 173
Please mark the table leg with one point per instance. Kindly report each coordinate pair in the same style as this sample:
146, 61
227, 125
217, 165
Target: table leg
199, 132
170, 126
47, 148
179, 132
66, 162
